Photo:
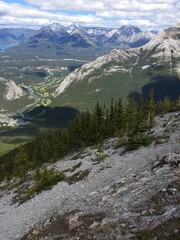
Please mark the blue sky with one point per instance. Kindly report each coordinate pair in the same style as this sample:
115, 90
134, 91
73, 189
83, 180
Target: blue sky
146, 14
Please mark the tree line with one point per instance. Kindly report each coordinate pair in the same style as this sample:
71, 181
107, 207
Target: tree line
129, 123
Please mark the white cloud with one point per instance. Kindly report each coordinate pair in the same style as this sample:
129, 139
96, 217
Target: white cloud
102, 5
17, 15
143, 13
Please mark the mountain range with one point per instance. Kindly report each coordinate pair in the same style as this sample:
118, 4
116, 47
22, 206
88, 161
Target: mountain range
116, 74
60, 41
125, 36
79, 36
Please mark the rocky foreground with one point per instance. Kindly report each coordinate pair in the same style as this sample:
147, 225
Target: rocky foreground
107, 194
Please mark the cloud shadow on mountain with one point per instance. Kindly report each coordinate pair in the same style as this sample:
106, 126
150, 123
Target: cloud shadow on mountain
162, 87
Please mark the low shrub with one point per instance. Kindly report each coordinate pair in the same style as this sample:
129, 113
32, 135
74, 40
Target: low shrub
45, 180
135, 142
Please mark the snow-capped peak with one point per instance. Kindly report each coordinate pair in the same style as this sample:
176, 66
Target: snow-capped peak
56, 27
73, 28
112, 32
78, 30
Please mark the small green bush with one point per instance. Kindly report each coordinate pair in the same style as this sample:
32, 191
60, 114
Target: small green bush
135, 142
121, 142
45, 180
145, 234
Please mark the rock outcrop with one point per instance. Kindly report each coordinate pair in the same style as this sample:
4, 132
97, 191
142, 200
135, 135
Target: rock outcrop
13, 91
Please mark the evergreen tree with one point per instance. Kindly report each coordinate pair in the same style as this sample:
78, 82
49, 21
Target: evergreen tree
21, 163
166, 104
140, 117
120, 116
150, 109
130, 116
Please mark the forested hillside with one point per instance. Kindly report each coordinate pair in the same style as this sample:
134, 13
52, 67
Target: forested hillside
129, 123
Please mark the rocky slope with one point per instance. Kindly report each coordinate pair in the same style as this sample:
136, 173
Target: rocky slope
128, 195
10, 89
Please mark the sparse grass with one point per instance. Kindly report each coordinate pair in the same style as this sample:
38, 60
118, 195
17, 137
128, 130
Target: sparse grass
78, 155
79, 176
121, 142
76, 166
100, 157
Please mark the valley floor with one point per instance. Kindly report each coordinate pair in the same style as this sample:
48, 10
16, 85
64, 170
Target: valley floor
127, 195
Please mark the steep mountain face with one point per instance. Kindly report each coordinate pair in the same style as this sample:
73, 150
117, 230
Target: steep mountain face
14, 36
12, 90
155, 65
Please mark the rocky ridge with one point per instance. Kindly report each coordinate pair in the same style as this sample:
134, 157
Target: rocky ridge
163, 51
128, 194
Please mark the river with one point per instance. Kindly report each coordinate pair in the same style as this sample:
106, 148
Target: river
36, 98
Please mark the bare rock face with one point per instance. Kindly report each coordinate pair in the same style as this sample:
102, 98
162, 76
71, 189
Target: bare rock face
13, 91
127, 196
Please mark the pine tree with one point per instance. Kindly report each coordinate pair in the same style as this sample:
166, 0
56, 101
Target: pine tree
150, 109
130, 116
21, 163
140, 117
120, 116
166, 104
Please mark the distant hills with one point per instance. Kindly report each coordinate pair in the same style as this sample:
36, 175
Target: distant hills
14, 35
152, 66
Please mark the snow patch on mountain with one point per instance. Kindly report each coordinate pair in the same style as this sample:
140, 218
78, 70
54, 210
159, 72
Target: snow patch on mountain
145, 67
13, 91
56, 27
115, 69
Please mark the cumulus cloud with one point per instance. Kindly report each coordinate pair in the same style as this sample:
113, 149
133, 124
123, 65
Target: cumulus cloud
17, 15
101, 5
152, 14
